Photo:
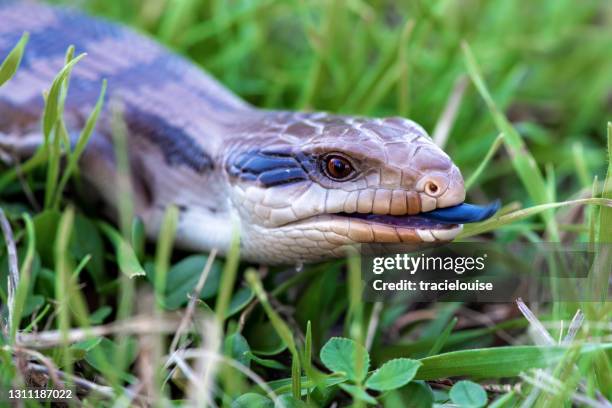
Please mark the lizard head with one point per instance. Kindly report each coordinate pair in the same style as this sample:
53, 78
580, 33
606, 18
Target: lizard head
307, 186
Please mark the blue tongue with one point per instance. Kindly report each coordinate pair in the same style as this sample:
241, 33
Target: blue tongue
463, 213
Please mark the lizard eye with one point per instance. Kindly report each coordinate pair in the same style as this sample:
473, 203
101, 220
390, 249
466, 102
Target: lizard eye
337, 167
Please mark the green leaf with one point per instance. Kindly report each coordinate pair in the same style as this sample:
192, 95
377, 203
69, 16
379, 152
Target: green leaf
265, 340
605, 217
101, 355
508, 400
283, 330
54, 150
99, 315
46, 279
287, 401
138, 237
496, 362
10, 65
45, 227
84, 137
358, 393
126, 258
296, 376
237, 347
33, 302
417, 394
393, 374
239, 301
252, 400
54, 128
87, 344
87, 241
468, 394
323, 292
163, 252
442, 337
327, 381
266, 362
345, 356
22, 254
183, 277
52, 104
485, 162
24, 302
603, 260
228, 278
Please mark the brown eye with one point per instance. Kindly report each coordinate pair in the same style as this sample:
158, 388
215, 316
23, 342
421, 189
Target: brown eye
337, 167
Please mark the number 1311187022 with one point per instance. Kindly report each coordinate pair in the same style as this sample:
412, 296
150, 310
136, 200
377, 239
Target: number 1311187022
40, 394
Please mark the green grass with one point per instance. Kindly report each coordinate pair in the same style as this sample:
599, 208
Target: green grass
532, 128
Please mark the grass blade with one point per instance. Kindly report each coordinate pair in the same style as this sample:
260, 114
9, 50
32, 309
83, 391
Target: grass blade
497, 362
84, 137
582, 168
229, 278
441, 340
164, 252
62, 283
25, 277
13, 269
496, 222
354, 316
277, 322
485, 162
54, 149
52, 106
605, 215
126, 257
11, 63
523, 162
54, 129
281, 328
603, 260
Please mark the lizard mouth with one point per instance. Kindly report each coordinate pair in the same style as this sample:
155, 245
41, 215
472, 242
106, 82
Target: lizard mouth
441, 218
442, 224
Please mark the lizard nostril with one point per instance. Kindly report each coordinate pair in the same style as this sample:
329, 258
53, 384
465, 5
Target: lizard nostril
431, 188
